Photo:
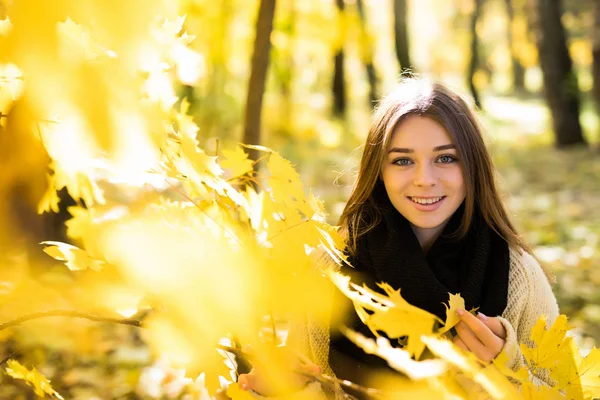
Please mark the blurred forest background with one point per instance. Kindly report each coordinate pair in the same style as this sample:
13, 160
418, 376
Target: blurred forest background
302, 77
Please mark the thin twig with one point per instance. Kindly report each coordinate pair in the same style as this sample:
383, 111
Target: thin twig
252, 180
8, 357
260, 158
285, 230
68, 313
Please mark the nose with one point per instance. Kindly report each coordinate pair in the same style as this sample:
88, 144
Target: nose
425, 175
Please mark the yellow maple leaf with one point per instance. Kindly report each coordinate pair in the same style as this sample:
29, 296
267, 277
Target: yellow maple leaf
397, 358
41, 384
388, 313
589, 373
332, 242
204, 166
80, 223
578, 377
79, 41
75, 258
552, 345
286, 186
501, 362
236, 161
455, 302
50, 200
203, 171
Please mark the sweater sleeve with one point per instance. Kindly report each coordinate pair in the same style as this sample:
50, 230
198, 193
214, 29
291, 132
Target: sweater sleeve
529, 297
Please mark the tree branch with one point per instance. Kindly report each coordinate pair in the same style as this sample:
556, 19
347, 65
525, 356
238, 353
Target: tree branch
67, 313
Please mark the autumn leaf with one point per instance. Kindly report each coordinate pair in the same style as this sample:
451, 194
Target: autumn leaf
456, 302
496, 384
552, 347
41, 384
80, 223
50, 199
501, 362
286, 185
397, 358
76, 258
589, 374
205, 167
236, 161
555, 351
389, 313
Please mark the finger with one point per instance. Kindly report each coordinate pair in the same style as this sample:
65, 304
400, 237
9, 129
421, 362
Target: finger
458, 341
247, 381
309, 369
481, 331
258, 382
470, 339
494, 324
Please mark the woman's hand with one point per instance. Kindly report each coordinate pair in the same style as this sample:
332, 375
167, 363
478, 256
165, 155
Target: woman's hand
483, 336
291, 374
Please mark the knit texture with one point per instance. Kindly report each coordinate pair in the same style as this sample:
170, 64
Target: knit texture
529, 297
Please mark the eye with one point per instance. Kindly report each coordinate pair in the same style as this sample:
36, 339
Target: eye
402, 161
447, 159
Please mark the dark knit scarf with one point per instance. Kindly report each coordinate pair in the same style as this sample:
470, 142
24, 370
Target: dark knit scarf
476, 267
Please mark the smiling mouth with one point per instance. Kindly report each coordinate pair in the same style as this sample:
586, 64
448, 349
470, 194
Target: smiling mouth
425, 201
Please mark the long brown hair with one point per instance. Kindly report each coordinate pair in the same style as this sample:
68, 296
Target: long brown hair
433, 100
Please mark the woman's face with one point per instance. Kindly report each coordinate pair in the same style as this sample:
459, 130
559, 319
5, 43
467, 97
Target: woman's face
423, 176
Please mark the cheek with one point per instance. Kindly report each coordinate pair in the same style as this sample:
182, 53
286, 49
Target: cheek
455, 180
394, 179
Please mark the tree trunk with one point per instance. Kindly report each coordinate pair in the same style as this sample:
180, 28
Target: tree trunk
474, 53
367, 49
560, 82
258, 74
339, 83
401, 35
518, 71
596, 55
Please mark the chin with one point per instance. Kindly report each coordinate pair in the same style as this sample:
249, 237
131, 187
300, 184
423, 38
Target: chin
426, 225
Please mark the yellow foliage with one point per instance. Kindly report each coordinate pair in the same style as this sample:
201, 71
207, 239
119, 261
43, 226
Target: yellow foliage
497, 385
75, 258
41, 385
389, 313
556, 352
237, 162
397, 358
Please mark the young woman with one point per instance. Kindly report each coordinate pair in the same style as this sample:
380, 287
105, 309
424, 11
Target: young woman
426, 217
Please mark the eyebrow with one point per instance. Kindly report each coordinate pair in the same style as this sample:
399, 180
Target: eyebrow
405, 150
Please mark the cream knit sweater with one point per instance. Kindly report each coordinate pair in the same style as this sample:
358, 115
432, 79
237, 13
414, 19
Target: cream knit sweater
529, 297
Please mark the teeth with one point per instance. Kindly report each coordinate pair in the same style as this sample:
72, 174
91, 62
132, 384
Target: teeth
426, 201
